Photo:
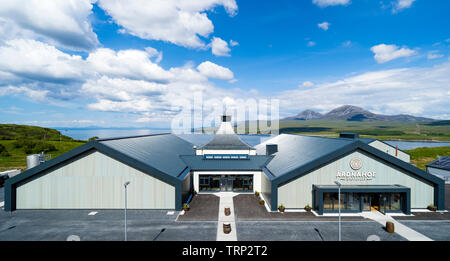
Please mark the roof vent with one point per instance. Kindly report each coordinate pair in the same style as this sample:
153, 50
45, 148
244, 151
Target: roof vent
349, 135
226, 118
271, 149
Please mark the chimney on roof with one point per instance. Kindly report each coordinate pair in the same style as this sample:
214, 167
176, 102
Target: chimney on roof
349, 135
271, 149
396, 150
226, 118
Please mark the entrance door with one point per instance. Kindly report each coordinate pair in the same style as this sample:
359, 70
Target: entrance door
374, 202
226, 183
378, 202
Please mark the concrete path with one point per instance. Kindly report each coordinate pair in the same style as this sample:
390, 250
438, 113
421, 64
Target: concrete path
399, 228
226, 201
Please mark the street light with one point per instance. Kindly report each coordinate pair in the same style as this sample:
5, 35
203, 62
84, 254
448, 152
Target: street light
339, 199
125, 185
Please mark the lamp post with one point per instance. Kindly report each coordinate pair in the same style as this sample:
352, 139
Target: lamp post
339, 199
125, 185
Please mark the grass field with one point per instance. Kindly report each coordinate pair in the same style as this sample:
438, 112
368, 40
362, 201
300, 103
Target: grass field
423, 156
379, 130
17, 160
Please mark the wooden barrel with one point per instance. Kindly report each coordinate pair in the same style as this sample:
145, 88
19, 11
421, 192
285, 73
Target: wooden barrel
227, 211
389, 227
226, 228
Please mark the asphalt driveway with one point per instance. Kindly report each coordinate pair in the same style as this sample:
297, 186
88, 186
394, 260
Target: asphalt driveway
312, 231
203, 207
106, 225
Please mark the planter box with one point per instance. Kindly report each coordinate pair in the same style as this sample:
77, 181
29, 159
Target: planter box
389, 227
226, 228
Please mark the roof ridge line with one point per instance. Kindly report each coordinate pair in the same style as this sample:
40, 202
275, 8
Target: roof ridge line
130, 137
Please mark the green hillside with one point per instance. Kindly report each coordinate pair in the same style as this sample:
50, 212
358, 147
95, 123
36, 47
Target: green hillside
18, 141
22, 132
422, 156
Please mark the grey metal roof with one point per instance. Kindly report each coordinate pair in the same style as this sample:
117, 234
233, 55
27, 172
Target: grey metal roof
252, 163
226, 142
297, 150
443, 163
160, 151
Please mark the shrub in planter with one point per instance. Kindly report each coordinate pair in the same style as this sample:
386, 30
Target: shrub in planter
194, 193
185, 207
261, 202
281, 208
308, 208
432, 207
256, 193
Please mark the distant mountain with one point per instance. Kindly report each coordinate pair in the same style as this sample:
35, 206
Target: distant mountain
306, 115
355, 113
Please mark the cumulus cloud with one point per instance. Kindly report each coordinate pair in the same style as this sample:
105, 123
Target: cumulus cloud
434, 55
178, 22
134, 64
324, 26
233, 43
402, 4
306, 84
122, 81
38, 61
385, 53
212, 70
219, 47
420, 91
325, 3
62, 23
311, 44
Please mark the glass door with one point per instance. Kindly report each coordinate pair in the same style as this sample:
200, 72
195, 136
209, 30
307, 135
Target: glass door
229, 183
223, 183
383, 201
226, 183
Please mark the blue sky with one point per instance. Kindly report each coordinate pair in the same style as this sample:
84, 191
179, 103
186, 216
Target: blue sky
130, 63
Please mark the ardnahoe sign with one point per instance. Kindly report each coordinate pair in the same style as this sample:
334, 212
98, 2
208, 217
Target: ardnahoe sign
355, 164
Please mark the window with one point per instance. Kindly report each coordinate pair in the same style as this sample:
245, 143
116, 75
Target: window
395, 201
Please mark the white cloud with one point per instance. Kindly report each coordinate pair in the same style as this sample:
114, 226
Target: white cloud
62, 23
434, 55
419, 91
233, 43
385, 53
121, 89
134, 64
35, 60
178, 22
402, 4
28, 91
122, 81
219, 47
347, 43
325, 3
306, 84
212, 70
311, 44
324, 26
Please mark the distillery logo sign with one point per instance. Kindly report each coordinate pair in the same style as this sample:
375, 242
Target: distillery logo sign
355, 175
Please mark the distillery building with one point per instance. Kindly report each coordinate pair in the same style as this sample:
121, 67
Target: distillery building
289, 170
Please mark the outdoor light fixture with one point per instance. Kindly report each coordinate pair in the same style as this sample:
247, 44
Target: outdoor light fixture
339, 199
125, 185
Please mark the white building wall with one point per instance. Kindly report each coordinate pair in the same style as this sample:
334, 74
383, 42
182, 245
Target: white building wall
390, 150
95, 181
298, 193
